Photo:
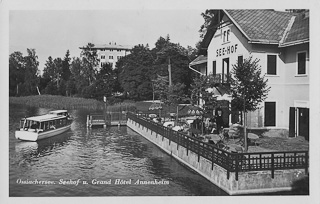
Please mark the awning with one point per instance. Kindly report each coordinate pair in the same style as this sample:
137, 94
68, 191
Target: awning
201, 59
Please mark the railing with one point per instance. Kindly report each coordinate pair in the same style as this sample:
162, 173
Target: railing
232, 162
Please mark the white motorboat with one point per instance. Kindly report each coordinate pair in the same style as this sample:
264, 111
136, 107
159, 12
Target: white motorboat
39, 127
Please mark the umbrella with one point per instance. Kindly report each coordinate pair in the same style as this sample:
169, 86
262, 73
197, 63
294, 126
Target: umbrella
195, 110
155, 106
217, 90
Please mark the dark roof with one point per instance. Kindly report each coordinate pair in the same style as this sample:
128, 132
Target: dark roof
110, 46
264, 26
299, 31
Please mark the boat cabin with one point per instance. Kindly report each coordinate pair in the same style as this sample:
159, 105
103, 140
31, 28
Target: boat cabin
51, 121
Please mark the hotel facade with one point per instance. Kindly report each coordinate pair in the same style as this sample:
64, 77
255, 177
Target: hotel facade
110, 53
280, 41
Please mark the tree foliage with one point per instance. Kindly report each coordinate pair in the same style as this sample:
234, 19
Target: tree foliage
135, 73
23, 73
179, 59
16, 73
201, 89
248, 85
89, 62
82, 76
208, 16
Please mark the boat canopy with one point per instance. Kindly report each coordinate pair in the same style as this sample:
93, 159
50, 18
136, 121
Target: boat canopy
47, 117
59, 112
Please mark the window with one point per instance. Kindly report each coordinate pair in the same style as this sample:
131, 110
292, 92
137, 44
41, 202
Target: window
272, 65
110, 57
270, 114
214, 68
103, 56
240, 60
302, 63
226, 35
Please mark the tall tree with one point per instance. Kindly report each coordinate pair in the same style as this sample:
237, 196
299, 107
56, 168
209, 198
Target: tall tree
52, 73
136, 72
31, 72
208, 17
248, 88
103, 85
89, 62
78, 80
65, 74
177, 57
48, 77
66, 66
16, 73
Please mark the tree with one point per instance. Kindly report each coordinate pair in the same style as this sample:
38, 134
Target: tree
161, 86
201, 91
89, 62
248, 88
31, 72
65, 74
78, 80
136, 72
16, 73
52, 75
105, 82
178, 58
169, 95
208, 16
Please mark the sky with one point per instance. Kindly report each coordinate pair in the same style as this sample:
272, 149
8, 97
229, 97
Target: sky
52, 27
53, 32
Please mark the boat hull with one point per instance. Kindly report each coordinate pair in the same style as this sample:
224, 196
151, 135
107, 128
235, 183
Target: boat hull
27, 135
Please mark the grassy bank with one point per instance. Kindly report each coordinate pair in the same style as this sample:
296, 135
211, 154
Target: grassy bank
56, 102
62, 102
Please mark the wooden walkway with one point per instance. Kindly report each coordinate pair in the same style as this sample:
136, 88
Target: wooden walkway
106, 120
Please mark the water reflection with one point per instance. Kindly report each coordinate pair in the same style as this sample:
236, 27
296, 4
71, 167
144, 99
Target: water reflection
40, 147
101, 153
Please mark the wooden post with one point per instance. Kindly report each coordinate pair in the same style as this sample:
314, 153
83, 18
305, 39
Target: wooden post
245, 126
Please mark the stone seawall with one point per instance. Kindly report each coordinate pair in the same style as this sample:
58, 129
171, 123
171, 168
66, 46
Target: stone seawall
247, 183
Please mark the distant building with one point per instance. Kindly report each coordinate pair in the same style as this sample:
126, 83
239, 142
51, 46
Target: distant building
110, 53
280, 40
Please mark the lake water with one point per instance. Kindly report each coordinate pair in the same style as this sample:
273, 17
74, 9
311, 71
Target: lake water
96, 162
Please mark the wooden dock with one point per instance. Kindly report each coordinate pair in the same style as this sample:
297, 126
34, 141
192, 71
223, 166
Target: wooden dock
106, 120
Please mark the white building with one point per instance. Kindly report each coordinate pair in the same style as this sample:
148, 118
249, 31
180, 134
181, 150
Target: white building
280, 40
110, 53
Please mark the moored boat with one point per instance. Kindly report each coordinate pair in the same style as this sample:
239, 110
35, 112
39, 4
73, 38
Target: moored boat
39, 127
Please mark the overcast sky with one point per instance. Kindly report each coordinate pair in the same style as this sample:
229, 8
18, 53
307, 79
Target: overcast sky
53, 32
52, 27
